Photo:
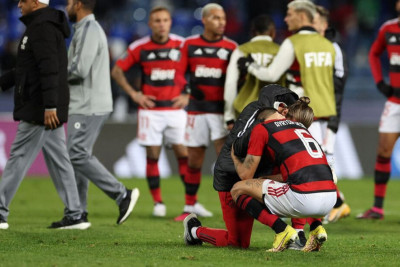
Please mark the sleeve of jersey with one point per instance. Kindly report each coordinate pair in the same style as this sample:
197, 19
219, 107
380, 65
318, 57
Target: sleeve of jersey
128, 59
258, 140
183, 63
231, 82
376, 50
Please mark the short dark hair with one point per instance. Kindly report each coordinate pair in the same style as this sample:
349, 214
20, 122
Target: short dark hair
88, 4
264, 113
262, 24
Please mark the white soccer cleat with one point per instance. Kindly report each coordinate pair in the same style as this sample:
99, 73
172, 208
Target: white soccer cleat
3, 225
199, 210
159, 210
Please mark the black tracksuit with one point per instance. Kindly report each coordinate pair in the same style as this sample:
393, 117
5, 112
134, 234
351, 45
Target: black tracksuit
40, 76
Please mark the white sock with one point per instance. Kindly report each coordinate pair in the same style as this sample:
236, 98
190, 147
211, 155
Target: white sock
193, 231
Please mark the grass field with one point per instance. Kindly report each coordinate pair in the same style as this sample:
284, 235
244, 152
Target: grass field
147, 241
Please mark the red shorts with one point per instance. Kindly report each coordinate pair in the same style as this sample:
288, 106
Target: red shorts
238, 222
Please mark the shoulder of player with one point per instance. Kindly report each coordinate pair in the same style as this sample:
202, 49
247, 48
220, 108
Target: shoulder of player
176, 38
389, 24
138, 43
230, 41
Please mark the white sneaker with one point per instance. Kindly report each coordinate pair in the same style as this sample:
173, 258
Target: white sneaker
199, 210
3, 225
159, 210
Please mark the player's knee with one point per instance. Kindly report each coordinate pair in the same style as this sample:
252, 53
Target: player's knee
77, 156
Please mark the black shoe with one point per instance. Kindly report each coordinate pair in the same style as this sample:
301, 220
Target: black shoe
68, 223
127, 204
298, 243
188, 223
84, 216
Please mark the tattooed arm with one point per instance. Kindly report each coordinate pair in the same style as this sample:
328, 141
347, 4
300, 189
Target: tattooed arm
247, 168
275, 177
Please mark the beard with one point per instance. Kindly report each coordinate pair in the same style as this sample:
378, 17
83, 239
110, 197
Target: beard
72, 17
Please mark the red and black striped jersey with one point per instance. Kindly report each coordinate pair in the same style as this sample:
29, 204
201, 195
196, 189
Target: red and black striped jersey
206, 62
389, 39
159, 63
299, 157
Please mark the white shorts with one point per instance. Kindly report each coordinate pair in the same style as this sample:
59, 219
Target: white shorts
390, 118
282, 201
153, 125
200, 128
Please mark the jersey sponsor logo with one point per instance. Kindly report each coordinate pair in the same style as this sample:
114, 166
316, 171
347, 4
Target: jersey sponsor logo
203, 71
163, 54
318, 59
262, 59
209, 50
162, 75
394, 59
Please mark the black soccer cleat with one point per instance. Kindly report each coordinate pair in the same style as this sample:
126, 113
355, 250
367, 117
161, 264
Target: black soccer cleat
188, 223
127, 204
68, 223
299, 243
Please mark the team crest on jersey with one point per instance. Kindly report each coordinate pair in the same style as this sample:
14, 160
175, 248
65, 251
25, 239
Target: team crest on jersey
163, 54
151, 56
174, 54
223, 54
24, 42
198, 52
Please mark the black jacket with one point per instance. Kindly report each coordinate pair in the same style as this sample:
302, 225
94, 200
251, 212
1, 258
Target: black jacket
41, 70
225, 175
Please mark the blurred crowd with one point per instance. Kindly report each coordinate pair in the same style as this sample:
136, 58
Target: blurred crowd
124, 21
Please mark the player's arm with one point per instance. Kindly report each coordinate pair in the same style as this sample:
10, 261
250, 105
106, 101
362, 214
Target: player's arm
281, 63
248, 167
377, 48
7, 80
118, 74
230, 90
86, 51
275, 177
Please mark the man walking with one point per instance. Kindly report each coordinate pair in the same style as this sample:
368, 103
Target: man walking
90, 106
41, 106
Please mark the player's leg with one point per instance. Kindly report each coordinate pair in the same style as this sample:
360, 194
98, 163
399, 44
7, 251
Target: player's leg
27, 143
389, 131
196, 140
317, 235
248, 196
382, 175
82, 135
151, 126
62, 174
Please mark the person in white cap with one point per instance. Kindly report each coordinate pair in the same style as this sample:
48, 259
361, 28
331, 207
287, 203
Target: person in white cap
41, 107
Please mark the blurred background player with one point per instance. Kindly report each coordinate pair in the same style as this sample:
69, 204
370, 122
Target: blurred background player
161, 100
389, 127
321, 24
239, 93
90, 106
206, 58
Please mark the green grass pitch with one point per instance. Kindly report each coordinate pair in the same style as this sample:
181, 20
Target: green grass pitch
146, 241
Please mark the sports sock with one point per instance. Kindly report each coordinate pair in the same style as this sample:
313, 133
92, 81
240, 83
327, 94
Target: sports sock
153, 179
298, 223
339, 200
382, 176
314, 223
182, 166
192, 184
216, 237
257, 210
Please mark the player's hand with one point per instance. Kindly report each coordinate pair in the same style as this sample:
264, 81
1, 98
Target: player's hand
181, 101
244, 63
145, 101
385, 89
50, 119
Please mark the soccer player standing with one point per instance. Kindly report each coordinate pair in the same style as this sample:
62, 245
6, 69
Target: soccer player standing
161, 100
206, 58
389, 128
